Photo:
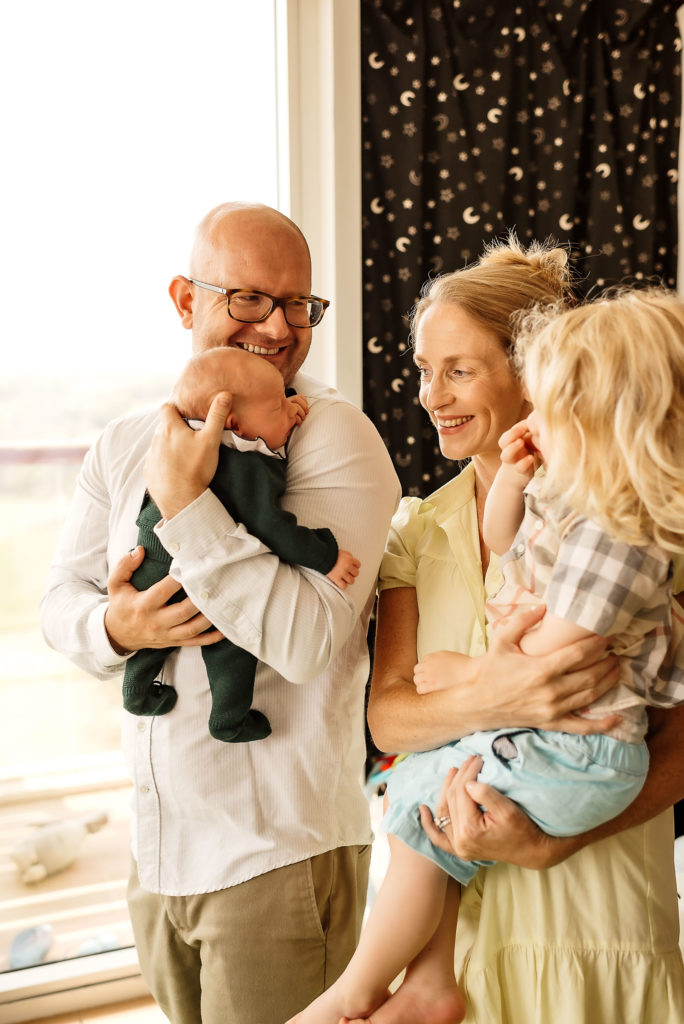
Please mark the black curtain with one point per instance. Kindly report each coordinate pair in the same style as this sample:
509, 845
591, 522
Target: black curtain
554, 117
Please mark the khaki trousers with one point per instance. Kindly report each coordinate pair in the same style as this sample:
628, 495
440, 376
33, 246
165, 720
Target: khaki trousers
255, 953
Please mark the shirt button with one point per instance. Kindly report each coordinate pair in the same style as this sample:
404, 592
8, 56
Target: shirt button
144, 789
204, 595
174, 546
520, 549
141, 727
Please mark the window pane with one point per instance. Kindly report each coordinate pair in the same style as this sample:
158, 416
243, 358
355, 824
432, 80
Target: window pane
116, 142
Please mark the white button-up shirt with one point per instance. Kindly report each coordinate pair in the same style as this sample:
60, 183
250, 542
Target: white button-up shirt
208, 814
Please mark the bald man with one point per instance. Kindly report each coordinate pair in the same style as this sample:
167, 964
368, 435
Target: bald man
250, 860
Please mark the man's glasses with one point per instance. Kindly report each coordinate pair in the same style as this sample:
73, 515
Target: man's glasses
251, 307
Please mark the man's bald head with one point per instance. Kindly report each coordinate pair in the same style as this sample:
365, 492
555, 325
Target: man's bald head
246, 247
239, 225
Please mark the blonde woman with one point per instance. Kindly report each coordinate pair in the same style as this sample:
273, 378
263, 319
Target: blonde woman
465, 390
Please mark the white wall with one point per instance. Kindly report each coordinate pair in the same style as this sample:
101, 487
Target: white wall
320, 156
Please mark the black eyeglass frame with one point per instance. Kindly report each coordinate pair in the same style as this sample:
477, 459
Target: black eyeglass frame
275, 302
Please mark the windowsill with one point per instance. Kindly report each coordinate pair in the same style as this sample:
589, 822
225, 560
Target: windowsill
70, 985
43, 780
86, 898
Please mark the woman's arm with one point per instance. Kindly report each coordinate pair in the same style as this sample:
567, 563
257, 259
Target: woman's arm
503, 687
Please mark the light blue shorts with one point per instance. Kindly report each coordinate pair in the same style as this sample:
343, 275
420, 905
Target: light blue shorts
566, 784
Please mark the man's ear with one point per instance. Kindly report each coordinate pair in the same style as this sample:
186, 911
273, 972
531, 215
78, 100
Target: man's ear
181, 293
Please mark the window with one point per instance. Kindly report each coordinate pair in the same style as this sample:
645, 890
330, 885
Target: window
119, 134
116, 141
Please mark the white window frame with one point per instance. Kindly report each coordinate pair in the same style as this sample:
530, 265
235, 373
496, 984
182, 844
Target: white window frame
319, 120
319, 158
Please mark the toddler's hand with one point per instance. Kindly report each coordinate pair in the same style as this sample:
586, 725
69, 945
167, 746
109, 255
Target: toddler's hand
437, 671
518, 452
345, 570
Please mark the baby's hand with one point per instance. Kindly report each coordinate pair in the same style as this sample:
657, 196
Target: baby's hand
345, 570
300, 408
437, 671
518, 452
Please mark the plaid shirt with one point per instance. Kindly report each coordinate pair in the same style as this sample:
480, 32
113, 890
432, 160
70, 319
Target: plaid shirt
608, 587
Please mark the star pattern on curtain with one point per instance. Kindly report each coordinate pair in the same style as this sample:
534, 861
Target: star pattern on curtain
554, 118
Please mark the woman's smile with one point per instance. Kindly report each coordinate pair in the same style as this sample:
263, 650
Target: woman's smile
444, 423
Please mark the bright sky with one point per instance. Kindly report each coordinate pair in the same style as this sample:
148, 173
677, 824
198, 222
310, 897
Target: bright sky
122, 125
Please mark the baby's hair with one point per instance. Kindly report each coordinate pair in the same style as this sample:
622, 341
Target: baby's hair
507, 277
608, 379
219, 369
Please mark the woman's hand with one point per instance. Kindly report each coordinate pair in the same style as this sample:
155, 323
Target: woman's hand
543, 691
501, 832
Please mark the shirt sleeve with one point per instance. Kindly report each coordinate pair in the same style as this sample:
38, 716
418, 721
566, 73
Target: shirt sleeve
398, 567
600, 583
75, 600
339, 476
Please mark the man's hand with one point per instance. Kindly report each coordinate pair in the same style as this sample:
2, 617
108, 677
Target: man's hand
181, 462
345, 570
137, 619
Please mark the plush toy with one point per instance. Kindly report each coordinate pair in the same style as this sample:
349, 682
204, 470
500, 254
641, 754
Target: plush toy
53, 847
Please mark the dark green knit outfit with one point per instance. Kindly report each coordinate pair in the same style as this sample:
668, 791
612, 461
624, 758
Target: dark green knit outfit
250, 485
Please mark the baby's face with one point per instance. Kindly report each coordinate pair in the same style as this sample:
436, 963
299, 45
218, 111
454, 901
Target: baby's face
268, 414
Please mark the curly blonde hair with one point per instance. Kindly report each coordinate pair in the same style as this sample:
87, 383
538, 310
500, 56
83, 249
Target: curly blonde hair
507, 278
608, 380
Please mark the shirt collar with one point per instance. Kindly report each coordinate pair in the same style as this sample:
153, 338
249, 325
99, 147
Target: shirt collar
243, 444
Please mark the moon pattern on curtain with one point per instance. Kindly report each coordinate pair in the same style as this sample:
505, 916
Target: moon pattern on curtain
555, 118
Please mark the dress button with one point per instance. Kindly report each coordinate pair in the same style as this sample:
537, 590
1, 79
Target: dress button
144, 789
174, 546
520, 549
204, 595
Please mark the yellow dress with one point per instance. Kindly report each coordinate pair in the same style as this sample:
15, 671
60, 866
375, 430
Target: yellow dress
594, 940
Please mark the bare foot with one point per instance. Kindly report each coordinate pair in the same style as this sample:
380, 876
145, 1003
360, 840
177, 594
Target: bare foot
331, 1005
411, 1004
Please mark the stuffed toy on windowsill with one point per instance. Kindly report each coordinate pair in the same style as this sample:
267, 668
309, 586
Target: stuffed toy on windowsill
51, 848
